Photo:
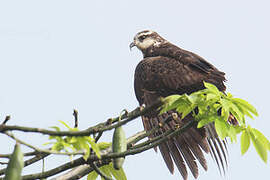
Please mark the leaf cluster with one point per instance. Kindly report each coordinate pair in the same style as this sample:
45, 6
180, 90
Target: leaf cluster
213, 106
73, 143
85, 143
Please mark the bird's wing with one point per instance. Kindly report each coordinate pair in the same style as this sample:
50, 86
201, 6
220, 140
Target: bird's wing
168, 76
162, 76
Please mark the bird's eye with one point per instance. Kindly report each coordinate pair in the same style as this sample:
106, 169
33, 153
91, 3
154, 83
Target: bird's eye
141, 38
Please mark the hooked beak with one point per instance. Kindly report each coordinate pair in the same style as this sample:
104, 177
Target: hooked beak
132, 45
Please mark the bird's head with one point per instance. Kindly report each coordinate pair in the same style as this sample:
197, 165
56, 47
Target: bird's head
146, 39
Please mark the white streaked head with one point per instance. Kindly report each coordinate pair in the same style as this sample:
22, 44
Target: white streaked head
146, 39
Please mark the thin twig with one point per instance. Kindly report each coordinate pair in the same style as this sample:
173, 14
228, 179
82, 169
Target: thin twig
43, 165
54, 171
6, 119
33, 153
75, 114
98, 137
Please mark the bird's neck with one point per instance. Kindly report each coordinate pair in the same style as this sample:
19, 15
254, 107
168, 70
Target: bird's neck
166, 50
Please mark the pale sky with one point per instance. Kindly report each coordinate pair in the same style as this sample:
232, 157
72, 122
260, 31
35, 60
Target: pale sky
57, 55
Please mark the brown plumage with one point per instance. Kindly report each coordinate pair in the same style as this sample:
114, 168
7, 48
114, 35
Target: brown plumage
165, 70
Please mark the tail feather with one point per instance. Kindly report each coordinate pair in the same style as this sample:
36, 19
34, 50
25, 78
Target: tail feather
165, 151
177, 157
225, 154
188, 156
188, 147
215, 149
199, 139
195, 150
148, 125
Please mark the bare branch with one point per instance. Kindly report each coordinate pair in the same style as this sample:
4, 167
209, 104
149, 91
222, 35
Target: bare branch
75, 114
98, 137
101, 127
6, 119
33, 153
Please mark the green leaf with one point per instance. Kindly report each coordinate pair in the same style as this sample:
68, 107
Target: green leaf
225, 114
244, 111
203, 122
259, 136
245, 142
246, 105
118, 174
182, 106
85, 147
211, 87
222, 128
186, 111
87, 154
231, 132
106, 170
260, 147
211, 96
225, 104
56, 128
94, 146
169, 101
73, 140
104, 145
229, 95
57, 146
47, 143
196, 98
52, 137
236, 111
92, 175
65, 124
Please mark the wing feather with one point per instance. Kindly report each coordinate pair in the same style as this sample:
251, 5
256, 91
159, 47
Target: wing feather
195, 150
177, 157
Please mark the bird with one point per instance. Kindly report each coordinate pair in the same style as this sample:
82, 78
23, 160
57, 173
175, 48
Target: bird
167, 69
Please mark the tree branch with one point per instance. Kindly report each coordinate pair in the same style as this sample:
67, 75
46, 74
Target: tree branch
107, 156
101, 127
44, 150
